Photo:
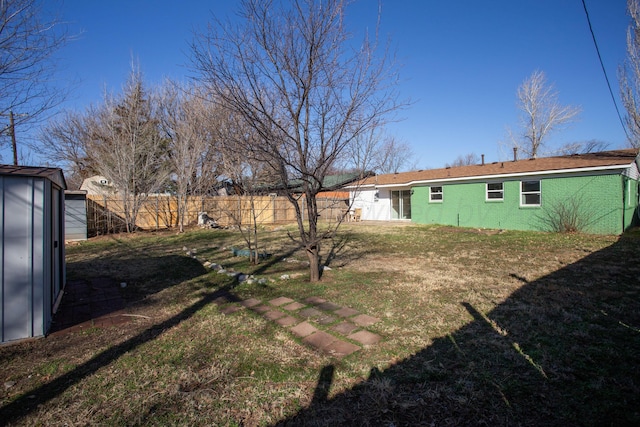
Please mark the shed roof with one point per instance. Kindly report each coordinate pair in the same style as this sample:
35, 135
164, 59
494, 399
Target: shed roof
53, 174
561, 164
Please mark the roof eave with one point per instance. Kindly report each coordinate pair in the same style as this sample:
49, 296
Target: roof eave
620, 167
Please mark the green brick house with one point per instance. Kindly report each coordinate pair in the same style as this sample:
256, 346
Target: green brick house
601, 189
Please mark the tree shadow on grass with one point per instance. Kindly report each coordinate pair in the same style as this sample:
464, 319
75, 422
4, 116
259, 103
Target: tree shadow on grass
30, 400
561, 350
87, 297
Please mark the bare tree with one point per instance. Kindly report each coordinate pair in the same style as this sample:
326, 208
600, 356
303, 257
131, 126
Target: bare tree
373, 151
541, 114
395, 156
241, 164
28, 42
464, 160
293, 75
64, 141
185, 123
126, 147
629, 76
584, 147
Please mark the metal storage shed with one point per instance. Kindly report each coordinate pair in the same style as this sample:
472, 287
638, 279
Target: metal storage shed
32, 264
75, 215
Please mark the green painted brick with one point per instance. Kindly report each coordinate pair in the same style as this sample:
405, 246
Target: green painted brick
608, 203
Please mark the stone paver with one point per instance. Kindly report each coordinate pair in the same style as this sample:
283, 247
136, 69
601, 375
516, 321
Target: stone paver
315, 300
221, 301
280, 301
365, 337
365, 320
304, 329
261, 308
251, 302
273, 314
322, 312
293, 306
230, 309
319, 339
341, 348
328, 306
346, 312
325, 320
345, 328
310, 312
287, 321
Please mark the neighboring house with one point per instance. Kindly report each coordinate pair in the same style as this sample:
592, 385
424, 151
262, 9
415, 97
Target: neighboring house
98, 185
518, 195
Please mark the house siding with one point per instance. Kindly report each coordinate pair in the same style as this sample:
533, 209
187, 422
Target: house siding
601, 199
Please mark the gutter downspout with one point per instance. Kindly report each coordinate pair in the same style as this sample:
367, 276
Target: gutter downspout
624, 187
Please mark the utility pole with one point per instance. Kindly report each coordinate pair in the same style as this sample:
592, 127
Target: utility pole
12, 131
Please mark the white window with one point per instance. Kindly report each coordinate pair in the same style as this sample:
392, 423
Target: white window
435, 194
530, 194
495, 191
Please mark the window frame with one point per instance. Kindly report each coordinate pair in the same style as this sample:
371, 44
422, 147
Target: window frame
436, 193
488, 191
526, 193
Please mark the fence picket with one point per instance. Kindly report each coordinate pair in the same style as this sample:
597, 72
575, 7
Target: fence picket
106, 214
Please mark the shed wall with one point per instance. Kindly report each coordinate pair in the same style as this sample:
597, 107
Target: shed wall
75, 216
22, 257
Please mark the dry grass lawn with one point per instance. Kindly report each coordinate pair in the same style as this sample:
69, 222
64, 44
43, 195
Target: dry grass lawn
478, 327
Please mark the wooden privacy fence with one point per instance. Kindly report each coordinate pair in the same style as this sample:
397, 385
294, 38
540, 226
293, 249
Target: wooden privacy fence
105, 214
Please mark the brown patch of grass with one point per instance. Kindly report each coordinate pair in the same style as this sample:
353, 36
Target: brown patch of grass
478, 328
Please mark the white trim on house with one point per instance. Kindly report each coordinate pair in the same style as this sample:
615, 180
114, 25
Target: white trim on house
494, 191
534, 193
436, 196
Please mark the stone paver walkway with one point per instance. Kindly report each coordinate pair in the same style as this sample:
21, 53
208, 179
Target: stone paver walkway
321, 324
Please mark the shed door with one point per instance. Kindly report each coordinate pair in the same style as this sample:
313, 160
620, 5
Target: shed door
56, 238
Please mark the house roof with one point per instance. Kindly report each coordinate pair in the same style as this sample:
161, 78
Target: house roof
615, 159
53, 174
329, 183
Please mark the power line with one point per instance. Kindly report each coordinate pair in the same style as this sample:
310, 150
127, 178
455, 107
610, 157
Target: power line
604, 71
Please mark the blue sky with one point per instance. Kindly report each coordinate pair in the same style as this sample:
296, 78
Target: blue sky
462, 61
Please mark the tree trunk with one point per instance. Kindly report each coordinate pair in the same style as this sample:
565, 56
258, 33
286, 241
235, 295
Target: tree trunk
313, 253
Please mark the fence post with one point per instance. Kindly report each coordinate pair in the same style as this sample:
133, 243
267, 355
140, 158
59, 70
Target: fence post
106, 208
157, 220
